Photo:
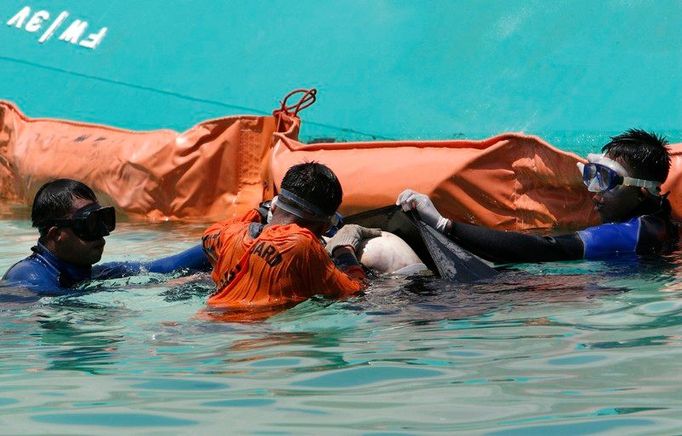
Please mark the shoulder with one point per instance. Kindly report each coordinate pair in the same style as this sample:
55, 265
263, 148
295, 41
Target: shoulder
658, 224
239, 222
222, 229
220, 235
294, 241
657, 234
31, 271
295, 235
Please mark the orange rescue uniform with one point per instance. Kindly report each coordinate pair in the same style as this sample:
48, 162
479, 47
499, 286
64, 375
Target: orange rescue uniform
281, 266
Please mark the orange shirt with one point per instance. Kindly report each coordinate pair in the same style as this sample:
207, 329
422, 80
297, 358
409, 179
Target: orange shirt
284, 265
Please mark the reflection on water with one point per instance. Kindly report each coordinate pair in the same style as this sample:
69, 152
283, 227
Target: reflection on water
78, 335
590, 346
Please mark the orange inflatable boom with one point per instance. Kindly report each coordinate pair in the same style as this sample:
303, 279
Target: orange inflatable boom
221, 168
510, 181
209, 172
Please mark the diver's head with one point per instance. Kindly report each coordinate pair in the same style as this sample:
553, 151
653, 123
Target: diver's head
309, 195
71, 222
644, 154
627, 178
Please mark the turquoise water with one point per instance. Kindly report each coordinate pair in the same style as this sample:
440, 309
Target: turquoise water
577, 347
558, 348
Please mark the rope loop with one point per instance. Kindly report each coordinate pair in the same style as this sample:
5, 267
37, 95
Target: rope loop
308, 97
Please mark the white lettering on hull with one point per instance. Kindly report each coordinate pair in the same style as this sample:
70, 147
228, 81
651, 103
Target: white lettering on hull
76, 33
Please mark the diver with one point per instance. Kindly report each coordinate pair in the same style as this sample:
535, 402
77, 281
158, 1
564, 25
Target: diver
72, 226
271, 265
626, 181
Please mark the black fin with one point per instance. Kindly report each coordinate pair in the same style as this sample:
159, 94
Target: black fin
453, 262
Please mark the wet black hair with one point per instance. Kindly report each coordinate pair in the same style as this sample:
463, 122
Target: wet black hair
645, 153
315, 183
54, 200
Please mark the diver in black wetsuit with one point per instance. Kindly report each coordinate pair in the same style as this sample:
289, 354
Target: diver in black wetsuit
626, 181
72, 227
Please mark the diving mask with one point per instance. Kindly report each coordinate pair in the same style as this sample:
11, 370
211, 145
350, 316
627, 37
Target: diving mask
601, 174
89, 223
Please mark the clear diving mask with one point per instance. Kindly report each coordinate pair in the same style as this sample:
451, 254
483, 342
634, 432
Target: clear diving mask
601, 174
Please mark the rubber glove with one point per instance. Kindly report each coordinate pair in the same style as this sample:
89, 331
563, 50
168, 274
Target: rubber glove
351, 235
409, 200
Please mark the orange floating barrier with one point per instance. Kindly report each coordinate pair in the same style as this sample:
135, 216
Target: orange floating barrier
222, 168
510, 181
208, 172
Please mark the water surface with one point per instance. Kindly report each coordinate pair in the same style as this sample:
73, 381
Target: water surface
551, 348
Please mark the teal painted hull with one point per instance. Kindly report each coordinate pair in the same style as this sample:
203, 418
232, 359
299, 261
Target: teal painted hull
384, 69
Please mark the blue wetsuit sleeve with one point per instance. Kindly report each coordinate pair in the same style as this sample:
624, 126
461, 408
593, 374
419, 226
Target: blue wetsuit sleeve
610, 239
193, 259
115, 270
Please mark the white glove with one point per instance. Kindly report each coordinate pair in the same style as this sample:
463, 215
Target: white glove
351, 235
409, 200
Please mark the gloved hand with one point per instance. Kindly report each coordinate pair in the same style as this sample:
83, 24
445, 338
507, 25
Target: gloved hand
351, 235
409, 200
